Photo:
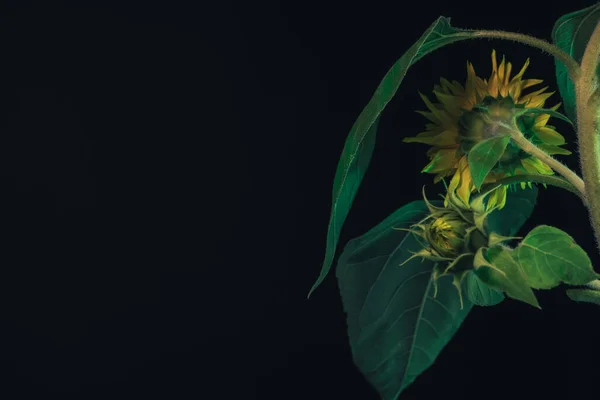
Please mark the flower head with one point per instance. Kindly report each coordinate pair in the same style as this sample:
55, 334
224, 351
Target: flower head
465, 116
452, 235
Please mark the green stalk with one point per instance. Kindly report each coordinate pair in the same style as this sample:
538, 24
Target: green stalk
588, 134
529, 148
551, 180
570, 63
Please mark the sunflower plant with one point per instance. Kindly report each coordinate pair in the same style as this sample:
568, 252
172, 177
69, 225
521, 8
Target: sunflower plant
408, 283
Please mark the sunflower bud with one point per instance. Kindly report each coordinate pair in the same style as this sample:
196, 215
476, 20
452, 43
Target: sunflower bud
446, 234
454, 233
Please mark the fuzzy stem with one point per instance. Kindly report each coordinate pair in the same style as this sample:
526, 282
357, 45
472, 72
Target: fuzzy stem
551, 180
588, 133
540, 154
570, 63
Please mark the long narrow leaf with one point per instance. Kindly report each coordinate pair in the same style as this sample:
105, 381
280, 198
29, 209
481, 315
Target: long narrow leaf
359, 145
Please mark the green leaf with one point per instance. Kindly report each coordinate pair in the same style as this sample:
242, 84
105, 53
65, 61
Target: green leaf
584, 295
519, 206
479, 293
501, 271
484, 155
551, 180
543, 111
550, 256
359, 145
395, 326
571, 34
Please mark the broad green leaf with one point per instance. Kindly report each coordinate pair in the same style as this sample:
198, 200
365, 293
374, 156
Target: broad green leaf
484, 155
518, 208
359, 145
503, 272
550, 256
479, 293
395, 326
571, 33
584, 295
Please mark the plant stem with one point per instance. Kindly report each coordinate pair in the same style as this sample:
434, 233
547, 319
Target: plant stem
570, 63
556, 165
587, 121
587, 133
551, 180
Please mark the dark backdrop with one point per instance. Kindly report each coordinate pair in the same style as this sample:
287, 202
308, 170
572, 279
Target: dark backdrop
167, 169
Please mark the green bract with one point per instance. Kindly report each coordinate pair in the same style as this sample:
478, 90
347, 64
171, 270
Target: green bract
453, 234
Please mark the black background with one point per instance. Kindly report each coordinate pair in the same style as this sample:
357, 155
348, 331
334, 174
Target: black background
167, 170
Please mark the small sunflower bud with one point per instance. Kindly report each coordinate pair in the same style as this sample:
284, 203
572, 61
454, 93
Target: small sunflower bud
446, 234
454, 233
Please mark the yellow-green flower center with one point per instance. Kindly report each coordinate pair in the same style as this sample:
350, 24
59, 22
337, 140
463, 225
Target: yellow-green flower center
446, 235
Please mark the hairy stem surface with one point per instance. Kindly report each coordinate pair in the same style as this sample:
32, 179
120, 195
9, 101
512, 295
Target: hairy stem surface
556, 165
588, 133
551, 180
570, 63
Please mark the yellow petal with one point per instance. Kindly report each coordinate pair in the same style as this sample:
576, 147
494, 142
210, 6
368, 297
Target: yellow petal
430, 117
527, 83
542, 119
453, 185
504, 88
501, 195
444, 160
439, 113
445, 138
553, 150
529, 168
466, 183
450, 103
515, 92
446, 86
537, 165
493, 85
531, 95
548, 135
501, 69
458, 87
497, 198
539, 100
470, 87
492, 200
518, 76
507, 75
455, 182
